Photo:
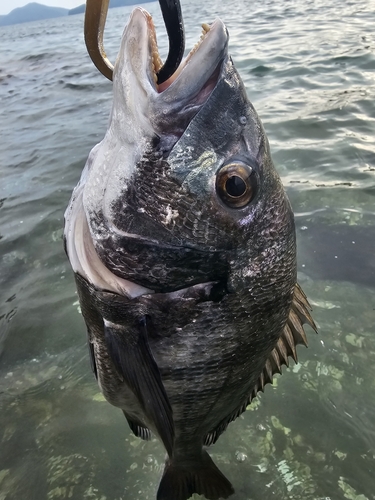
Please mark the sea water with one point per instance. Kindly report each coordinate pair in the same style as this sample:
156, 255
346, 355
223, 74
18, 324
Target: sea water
309, 70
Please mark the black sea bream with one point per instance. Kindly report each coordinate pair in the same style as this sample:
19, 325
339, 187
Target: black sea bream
182, 242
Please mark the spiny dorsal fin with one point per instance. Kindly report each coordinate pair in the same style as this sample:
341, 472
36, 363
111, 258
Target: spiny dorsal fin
292, 335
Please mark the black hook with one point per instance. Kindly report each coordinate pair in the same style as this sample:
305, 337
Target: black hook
172, 15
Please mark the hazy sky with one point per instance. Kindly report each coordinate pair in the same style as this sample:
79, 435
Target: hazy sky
7, 5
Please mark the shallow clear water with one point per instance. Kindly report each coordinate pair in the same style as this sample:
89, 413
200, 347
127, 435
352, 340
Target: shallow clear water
309, 68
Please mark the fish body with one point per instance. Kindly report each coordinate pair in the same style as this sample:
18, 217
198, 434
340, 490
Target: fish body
182, 242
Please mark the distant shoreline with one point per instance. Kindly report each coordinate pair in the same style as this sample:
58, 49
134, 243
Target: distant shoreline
37, 12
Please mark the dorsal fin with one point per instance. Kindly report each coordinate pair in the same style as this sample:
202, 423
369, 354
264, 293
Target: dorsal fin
292, 335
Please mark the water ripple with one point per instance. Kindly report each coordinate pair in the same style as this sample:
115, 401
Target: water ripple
308, 68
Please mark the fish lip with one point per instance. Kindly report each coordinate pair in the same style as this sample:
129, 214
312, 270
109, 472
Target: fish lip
138, 48
207, 47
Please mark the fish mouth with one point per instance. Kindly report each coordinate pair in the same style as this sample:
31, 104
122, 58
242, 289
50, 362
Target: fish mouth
156, 61
211, 46
138, 61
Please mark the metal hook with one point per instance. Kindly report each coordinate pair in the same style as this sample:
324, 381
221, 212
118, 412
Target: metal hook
172, 15
95, 18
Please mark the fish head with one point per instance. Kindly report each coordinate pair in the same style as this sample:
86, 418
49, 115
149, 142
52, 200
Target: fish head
182, 189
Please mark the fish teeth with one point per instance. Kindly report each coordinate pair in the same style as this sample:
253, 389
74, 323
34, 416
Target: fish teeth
157, 63
206, 28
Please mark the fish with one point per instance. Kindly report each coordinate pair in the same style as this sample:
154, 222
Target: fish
182, 243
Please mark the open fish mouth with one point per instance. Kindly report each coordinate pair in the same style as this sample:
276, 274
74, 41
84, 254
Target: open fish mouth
156, 61
196, 74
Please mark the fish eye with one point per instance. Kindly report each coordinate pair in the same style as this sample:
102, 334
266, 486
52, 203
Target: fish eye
236, 184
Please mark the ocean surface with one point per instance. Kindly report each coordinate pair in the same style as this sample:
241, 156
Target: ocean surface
309, 69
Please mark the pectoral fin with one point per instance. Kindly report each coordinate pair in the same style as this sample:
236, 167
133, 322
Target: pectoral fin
130, 352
